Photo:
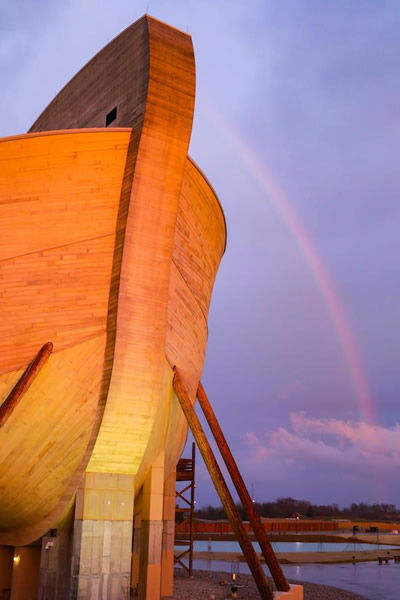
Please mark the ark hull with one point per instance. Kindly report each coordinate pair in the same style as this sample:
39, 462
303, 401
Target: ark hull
56, 268
111, 239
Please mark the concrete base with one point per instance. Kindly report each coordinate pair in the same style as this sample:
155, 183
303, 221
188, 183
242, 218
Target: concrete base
151, 532
102, 538
101, 560
88, 557
295, 593
168, 540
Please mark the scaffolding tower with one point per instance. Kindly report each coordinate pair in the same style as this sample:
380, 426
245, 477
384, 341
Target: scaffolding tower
185, 473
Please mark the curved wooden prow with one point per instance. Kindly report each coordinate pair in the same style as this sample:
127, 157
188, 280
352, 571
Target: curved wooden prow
24, 382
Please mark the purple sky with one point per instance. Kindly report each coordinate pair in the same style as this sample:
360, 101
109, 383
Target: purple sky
297, 126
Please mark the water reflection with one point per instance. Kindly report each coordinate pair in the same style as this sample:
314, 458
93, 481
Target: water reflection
373, 581
231, 546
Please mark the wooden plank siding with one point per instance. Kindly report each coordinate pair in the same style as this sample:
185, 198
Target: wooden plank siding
111, 239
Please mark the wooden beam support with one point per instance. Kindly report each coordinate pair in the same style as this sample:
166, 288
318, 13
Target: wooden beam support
222, 489
259, 531
24, 382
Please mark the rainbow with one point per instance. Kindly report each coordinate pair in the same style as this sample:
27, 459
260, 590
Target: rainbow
312, 259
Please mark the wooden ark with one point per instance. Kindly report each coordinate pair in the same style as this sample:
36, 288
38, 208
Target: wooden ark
110, 242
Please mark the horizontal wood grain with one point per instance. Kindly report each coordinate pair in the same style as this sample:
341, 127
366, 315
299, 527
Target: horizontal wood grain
43, 440
112, 240
59, 199
60, 189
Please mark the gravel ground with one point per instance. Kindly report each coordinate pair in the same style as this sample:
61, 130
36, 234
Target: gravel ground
209, 585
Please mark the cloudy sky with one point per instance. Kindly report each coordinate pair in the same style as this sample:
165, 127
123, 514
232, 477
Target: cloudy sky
297, 126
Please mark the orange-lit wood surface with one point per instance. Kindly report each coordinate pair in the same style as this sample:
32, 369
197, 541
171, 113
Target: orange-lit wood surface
141, 381
111, 239
59, 197
24, 382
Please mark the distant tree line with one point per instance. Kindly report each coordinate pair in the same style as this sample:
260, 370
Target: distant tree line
290, 507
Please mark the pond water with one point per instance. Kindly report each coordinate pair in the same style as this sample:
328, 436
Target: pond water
231, 546
373, 581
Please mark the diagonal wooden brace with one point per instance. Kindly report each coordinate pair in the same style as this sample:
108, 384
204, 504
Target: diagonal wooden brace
222, 489
259, 531
24, 382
